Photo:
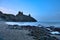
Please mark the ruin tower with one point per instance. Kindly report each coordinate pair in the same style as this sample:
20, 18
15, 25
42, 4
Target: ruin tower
29, 15
19, 13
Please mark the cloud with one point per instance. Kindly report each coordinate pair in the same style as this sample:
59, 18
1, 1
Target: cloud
7, 11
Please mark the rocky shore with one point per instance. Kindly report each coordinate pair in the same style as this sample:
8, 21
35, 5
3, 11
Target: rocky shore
38, 33
27, 32
7, 33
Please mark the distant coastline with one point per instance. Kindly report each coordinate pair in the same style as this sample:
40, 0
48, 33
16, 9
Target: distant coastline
20, 17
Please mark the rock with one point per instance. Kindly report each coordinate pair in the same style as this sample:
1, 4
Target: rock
20, 17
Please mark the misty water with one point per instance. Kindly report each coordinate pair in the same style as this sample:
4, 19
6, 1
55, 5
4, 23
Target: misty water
45, 24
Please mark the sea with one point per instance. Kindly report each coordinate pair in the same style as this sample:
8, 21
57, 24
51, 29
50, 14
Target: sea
45, 24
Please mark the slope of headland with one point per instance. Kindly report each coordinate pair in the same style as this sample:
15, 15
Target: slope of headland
20, 17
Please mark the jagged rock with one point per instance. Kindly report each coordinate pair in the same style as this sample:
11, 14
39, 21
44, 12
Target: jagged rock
20, 17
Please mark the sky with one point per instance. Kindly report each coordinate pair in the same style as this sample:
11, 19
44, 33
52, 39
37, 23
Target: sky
41, 10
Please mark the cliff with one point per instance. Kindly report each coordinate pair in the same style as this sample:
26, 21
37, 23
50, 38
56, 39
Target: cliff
20, 17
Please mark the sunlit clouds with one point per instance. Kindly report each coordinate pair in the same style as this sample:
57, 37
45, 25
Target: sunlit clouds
7, 10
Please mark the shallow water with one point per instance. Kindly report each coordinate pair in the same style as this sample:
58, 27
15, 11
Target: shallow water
46, 24
22, 23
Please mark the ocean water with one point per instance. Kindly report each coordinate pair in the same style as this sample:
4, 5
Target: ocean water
45, 24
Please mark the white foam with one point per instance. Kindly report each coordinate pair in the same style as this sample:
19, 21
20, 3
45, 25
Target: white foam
55, 32
22, 23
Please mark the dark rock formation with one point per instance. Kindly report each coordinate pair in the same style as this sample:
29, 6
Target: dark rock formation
37, 33
20, 17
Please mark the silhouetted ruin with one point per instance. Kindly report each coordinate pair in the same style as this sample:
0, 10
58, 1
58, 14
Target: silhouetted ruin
19, 13
29, 15
20, 17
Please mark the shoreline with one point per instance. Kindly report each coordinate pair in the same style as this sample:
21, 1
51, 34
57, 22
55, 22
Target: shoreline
36, 32
15, 32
